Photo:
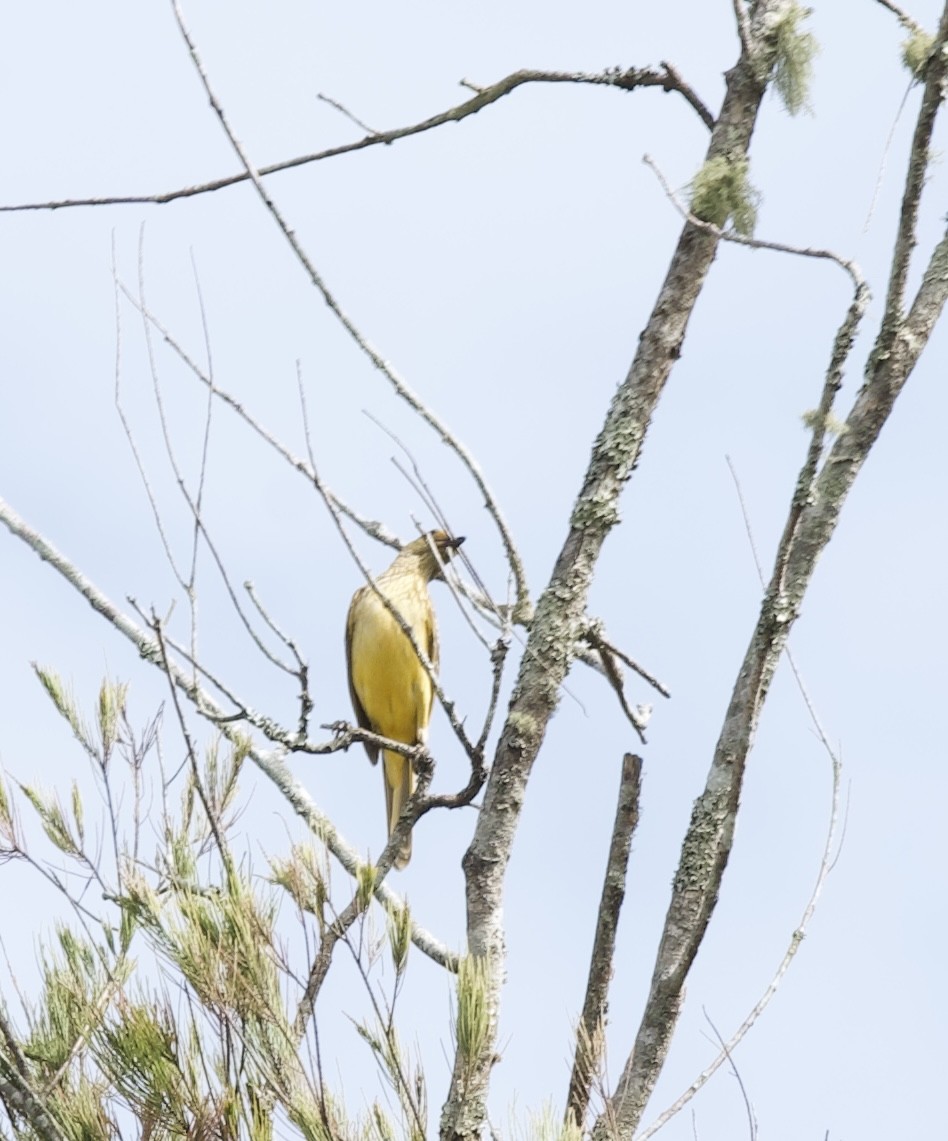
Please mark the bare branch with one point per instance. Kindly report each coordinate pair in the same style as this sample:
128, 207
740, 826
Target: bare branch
348, 114
621, 79
751, 1116
267, 618
497, 658
603, 642
613, 675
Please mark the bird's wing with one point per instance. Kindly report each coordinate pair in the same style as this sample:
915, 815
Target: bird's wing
429, 643
360, 713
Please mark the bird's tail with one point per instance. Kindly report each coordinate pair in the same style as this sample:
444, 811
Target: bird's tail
399, 785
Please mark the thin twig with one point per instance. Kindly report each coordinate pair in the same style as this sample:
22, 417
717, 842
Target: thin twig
885, 155
903, 17
126, 425
424, 492
348, 114
371, 527
633, 665
385, 1016
497, 658
188, 586
268, 619
614, 677
850, 267
202, 472
302, 668
831, 752
751, 1116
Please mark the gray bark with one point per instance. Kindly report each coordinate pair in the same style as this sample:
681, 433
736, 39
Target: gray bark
814, 512
560, 611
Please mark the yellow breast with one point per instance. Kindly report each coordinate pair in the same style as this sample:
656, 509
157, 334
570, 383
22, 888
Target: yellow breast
391, 683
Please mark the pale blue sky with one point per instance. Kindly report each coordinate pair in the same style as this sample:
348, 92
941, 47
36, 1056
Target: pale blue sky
506, 266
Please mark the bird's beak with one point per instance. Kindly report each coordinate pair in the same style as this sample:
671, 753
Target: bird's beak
453, 544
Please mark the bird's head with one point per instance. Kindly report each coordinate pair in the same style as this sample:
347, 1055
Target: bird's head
434, 551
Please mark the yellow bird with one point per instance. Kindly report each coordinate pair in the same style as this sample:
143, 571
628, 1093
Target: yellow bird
391, 692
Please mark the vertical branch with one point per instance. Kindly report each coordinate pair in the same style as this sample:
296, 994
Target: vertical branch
812, 517
559, 618
591, 1029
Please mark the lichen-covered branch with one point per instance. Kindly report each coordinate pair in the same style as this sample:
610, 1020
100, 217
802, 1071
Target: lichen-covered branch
815, 506
590, 1034
561, 608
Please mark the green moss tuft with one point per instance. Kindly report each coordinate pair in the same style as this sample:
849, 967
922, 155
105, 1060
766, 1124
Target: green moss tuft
721, 190
916, 52
794, 52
